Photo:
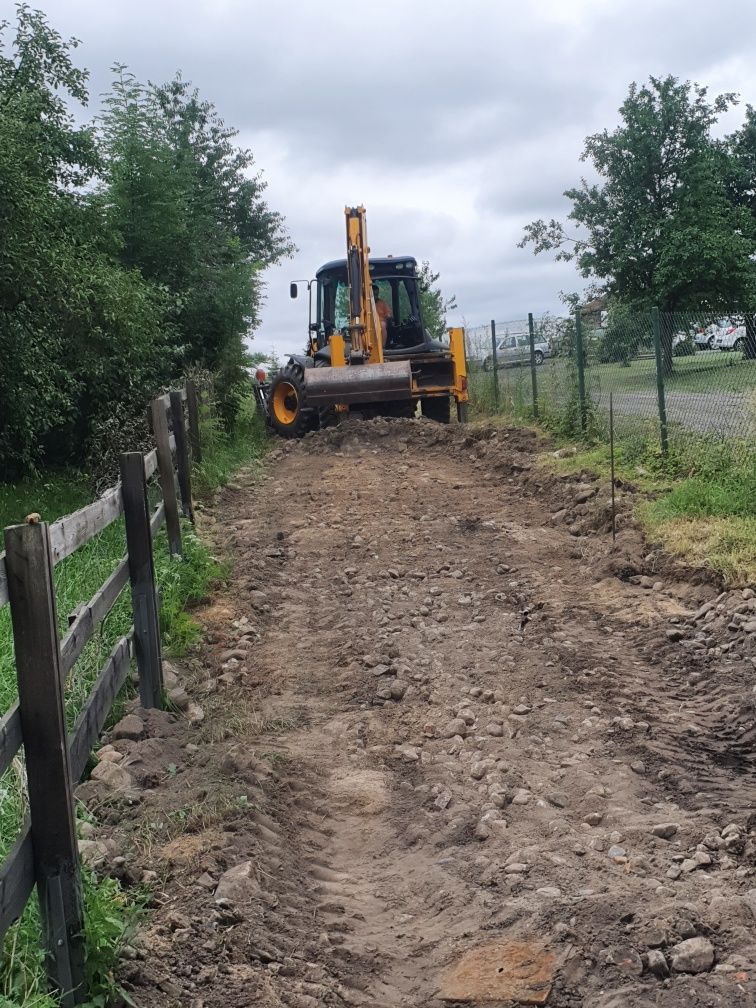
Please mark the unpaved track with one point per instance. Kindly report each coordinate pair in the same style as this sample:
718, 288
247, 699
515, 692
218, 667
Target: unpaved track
459, 728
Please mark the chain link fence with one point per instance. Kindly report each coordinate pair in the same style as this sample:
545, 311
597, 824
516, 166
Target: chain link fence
671, 377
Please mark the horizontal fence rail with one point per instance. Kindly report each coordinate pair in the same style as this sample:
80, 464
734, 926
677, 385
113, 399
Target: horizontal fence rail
45, 853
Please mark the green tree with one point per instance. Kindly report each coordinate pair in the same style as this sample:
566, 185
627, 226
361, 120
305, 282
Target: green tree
188, 210
44, 157
658, 226
433, 304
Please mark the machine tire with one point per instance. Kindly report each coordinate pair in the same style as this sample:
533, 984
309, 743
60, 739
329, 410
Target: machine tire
739, 344
438, 409
289, 416
538, 357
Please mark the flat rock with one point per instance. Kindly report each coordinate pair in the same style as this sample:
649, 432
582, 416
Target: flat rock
129, 727
626, 960
239, 884
509, 972
114, 777
665, 831
694, 955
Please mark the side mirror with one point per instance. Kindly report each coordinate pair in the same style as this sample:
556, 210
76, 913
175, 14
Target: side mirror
293, 290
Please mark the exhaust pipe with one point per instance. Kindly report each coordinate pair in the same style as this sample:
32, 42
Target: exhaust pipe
358, 383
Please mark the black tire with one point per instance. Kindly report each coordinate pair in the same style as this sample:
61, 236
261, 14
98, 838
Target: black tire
538, 357
710, 343
739, 345
438, 409
488, 364
287, 403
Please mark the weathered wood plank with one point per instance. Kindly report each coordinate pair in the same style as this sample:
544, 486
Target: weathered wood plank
11, 738
167, 474
150, 463
89, 723
92, 613
16, 880
142, 577
29, 564
3, 582
158, 519
182, 456
72, 531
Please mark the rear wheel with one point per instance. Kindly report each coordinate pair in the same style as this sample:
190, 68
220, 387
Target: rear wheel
289, 415
739, 344
538, 356
438, 409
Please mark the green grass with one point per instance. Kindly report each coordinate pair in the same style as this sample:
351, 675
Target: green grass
701, 502
182, 582
706, 371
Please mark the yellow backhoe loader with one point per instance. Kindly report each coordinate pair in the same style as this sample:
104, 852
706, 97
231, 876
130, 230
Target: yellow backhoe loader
368, 350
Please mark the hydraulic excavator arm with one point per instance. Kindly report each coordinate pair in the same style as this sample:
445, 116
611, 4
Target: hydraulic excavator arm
364, 324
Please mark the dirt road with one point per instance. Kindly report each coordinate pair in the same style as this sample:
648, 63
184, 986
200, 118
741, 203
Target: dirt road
456, 749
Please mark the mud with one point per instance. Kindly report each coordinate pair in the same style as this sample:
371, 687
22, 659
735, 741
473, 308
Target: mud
444, 714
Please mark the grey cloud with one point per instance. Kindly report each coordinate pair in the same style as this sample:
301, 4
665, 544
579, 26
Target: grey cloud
454, 123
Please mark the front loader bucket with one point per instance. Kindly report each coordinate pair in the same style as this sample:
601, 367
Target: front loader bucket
358, 383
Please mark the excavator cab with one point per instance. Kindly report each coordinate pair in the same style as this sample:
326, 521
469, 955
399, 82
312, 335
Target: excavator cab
368, 351
396, 282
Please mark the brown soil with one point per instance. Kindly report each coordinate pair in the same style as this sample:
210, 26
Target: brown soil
444, 715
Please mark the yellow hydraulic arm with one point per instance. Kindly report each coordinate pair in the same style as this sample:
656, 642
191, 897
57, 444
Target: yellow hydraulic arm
364, 325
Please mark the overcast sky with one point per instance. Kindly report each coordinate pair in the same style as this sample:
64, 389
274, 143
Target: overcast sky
454, 123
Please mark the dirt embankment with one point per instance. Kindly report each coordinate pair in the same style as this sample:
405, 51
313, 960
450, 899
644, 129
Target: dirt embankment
456, 748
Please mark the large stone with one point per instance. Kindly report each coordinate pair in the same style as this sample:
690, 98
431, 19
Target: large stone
455, 727
114, 777
626, 959
179, 698
239, 884
665, 831
694, 955
130, 727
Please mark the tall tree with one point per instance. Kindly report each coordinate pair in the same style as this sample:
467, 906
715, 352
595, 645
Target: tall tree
658, 226
190, 213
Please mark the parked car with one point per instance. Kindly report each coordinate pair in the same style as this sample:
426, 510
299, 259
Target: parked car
732, 337
704, 336
512, 350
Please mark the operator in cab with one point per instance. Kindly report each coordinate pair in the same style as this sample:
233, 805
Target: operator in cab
384, 312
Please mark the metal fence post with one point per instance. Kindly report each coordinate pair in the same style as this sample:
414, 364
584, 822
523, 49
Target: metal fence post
142, 576
534, 380
656, 326
31, 590
192, 408
495, 364
182, 456
580, 354
165, 469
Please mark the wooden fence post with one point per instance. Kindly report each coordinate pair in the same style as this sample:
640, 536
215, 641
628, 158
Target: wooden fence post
192, 407
165, 469
142, 576
182, 456
31, 590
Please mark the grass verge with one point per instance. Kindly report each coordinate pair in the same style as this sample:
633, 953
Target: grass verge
702, 504
182, 582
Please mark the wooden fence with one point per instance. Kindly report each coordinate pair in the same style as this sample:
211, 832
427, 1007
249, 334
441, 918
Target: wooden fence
46, 852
